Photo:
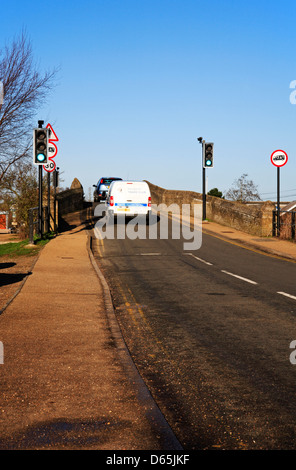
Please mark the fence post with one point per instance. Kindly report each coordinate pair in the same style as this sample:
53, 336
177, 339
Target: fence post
45, 220
273, 223
31, 230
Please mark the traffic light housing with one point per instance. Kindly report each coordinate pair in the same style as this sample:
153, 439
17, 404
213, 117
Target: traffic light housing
208, 155
40, 146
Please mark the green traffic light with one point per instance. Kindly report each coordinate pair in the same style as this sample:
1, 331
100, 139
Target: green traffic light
40, 157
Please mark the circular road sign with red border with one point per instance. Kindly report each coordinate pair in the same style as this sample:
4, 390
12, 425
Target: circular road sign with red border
279, 158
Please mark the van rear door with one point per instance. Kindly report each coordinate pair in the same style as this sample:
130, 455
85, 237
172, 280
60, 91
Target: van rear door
131, 198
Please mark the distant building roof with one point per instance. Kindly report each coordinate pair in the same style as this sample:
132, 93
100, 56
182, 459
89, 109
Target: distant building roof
289, 207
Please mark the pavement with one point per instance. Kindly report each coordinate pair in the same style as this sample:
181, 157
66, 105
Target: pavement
8, 238
67, 379
269, 245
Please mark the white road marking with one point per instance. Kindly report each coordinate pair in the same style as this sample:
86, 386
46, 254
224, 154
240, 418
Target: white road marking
199, 259
239, 277
287, 295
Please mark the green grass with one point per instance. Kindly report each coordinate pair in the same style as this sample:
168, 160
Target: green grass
23, 248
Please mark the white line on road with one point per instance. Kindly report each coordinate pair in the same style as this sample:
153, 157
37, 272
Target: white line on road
288, 295
199, 259
239, 277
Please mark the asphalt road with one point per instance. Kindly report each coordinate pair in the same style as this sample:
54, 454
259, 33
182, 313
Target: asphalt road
210, 332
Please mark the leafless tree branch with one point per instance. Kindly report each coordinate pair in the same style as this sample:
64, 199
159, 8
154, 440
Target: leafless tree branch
24, 90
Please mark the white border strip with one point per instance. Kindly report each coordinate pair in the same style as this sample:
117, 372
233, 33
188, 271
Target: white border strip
239, 277
287, 295
199, 259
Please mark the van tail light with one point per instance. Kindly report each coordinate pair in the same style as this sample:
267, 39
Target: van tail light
111, 201
149, 201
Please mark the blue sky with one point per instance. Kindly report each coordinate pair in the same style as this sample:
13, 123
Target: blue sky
139, 81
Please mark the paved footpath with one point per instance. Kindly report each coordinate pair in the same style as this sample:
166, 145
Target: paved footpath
67, 381
271, 245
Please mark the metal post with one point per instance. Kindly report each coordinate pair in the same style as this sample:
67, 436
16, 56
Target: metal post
204, 197
48, 201
278, 201
274, 223
40, 206
293, 225
31, 228
55, 184
46, 228
55, 201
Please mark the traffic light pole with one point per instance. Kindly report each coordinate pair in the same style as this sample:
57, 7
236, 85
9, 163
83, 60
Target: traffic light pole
48, 202
204, 196
207, 161
40, 206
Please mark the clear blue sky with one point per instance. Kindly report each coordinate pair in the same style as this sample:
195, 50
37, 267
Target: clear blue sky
141, 80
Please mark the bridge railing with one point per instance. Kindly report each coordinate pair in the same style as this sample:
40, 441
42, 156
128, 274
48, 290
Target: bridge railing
284, 224
39, 226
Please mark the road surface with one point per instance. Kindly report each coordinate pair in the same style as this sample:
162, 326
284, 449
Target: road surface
210, 332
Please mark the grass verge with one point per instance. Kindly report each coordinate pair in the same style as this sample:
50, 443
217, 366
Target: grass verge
23, 248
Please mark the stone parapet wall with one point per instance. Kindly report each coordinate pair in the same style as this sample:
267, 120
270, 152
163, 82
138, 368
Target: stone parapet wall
255, 219
70, 200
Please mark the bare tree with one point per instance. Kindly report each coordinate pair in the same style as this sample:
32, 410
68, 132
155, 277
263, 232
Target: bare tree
24, 89
243, 190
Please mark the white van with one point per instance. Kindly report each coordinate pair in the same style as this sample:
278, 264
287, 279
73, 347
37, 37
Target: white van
129, 198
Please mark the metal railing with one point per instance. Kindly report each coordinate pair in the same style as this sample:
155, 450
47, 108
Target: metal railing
283, 224
39, 226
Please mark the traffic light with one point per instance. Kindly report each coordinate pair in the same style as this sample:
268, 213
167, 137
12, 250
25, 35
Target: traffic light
40, 146
208, 155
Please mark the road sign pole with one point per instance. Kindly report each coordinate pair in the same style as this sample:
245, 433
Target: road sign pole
278, 158
54, 200
40, 205
278, 202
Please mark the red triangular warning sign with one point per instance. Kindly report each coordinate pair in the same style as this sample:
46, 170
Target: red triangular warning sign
52, 133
